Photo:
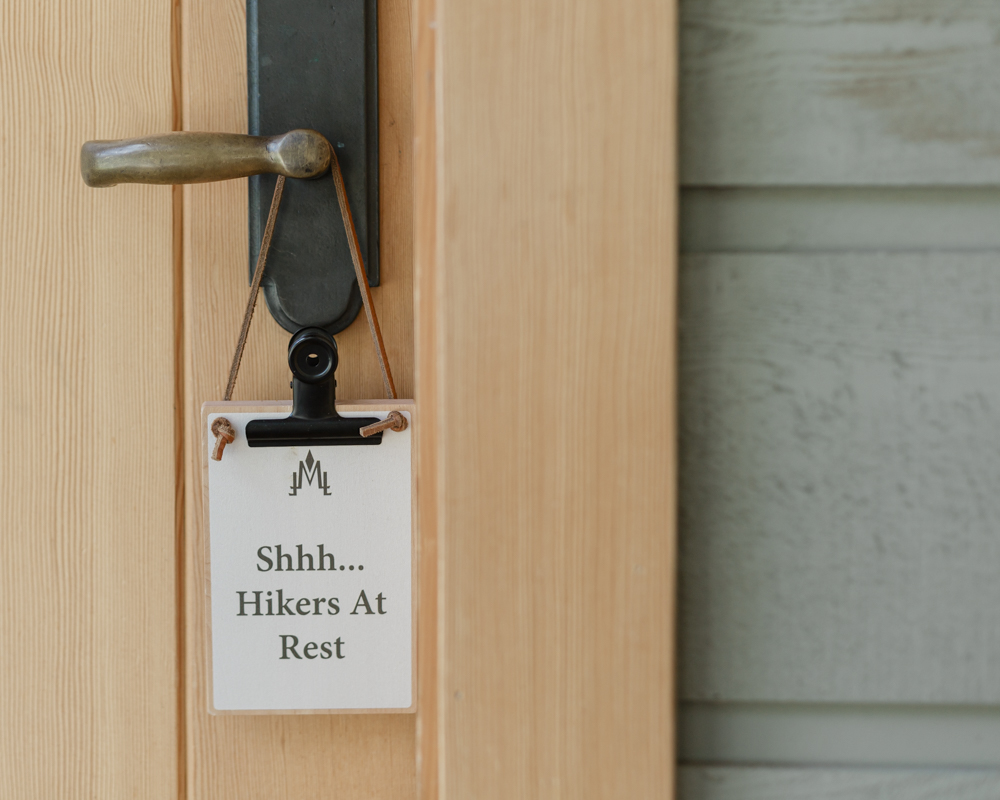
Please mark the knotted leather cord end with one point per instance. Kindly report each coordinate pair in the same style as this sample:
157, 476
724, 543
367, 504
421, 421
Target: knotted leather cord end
395, 421
224, 434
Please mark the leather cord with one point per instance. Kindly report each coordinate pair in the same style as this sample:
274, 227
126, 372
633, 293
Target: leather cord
362, 276
258, 274
359, 271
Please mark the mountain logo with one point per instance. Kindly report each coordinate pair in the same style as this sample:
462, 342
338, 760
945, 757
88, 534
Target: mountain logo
308, 470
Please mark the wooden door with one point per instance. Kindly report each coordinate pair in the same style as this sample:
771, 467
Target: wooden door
88, 492
540, 209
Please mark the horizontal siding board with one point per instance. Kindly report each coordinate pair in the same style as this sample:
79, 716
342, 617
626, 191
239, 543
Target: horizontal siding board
806, 219
840, 458
855, 92
803, 734
760, 783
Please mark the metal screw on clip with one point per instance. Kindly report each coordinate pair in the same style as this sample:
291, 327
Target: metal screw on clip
224, 434
395, 421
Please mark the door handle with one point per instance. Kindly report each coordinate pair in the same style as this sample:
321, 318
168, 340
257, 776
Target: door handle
185, 157
309, 63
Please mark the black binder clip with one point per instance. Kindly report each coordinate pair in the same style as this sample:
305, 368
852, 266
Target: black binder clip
312, 357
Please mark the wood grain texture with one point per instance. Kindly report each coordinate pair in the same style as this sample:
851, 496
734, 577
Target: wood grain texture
759, 783
838, 473
428, 378
811, 92
88, 670
248, 757
551, 321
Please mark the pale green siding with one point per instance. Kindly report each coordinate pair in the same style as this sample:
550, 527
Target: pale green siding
840, 400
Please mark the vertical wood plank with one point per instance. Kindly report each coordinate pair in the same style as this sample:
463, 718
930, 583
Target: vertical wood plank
426, 76
549, 304
292, 757
87, 491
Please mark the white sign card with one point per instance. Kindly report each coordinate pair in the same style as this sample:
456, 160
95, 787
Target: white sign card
310, 570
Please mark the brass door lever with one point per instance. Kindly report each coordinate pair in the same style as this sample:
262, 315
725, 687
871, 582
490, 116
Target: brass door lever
184, 157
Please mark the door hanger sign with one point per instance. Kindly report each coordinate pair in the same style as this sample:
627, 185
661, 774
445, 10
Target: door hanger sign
310, 549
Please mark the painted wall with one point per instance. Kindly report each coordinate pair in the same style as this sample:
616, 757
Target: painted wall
840, 399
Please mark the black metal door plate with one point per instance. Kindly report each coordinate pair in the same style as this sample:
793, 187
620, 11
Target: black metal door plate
314, 64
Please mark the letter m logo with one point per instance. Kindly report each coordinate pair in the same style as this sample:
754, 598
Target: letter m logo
308, 470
